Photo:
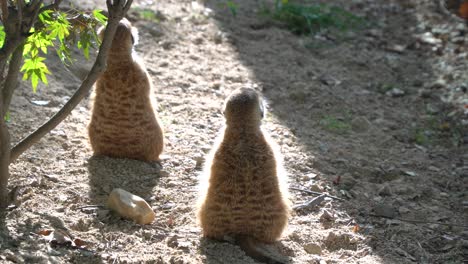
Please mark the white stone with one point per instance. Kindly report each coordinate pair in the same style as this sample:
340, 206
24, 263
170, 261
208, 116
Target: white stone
130, 206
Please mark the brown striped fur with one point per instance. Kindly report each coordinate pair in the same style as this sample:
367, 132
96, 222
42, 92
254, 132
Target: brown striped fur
244, 193
124, 123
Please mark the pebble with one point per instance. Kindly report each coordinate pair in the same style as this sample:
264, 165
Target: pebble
313, 249
326, 217
316, 188
384, 210
403, 210
130, 206
360, 124
439, 84
348, 182
199, 160
385, 190
428, 38
395, 92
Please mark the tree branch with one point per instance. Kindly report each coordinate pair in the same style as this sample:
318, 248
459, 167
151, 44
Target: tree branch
117, 10
11, 82
4, 8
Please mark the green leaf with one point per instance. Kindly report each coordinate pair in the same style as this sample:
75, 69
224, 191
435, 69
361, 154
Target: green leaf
2, 36
232, 7
7, 116
102, 19
34, 81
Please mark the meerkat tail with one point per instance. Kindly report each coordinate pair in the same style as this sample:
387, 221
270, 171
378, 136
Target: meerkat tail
249, 246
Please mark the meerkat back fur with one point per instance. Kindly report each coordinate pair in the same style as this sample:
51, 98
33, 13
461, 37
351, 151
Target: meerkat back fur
124, 123
244, 193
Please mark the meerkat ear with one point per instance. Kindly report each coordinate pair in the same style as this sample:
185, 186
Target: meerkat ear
134, 36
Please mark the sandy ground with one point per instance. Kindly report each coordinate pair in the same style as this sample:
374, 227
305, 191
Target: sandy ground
374, 116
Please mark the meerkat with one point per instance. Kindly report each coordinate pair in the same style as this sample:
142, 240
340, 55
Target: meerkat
244, 192
124, 123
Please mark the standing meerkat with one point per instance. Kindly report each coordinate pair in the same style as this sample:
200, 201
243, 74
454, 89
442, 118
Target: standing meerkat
124, 123
244, 193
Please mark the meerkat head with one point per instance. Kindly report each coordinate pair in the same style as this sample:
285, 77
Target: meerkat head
244, 107
126, 36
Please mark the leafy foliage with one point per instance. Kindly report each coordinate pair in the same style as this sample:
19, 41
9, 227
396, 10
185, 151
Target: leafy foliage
305, 19
232, 7
58, 30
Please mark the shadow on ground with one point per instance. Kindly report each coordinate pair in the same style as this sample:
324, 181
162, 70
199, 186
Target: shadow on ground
352, 101
106, 174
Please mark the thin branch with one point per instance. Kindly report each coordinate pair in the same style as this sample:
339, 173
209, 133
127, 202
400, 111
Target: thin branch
33, 5
116, 13
316, 193
91, 206
418, 221
314, 202
34, 15
11, 82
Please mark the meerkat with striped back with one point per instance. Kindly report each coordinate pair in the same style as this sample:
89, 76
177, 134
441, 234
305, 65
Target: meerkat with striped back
244, 192
124, 123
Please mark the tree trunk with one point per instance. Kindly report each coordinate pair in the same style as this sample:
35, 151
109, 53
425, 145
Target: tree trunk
11, 82
5, 151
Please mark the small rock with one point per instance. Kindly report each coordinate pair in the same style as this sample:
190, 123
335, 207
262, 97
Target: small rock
102, 214
428, 38
199, 160
395, 92
396, 48
410, 173
385, 190
384, 210
335, 242
360, 124
130, 206
163, 174
40, 102
167, 45
13, 257
313, 249
173, 241
403, 210
439, 84
326, 217
198, 41
432, 109
316, 188
348, 182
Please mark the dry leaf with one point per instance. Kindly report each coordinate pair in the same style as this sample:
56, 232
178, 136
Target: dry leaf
356, 228
61, 238
45, 232
80, 243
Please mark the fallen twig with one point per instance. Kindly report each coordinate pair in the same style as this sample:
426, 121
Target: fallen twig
91, 206
417, 221
316, 193
311, 203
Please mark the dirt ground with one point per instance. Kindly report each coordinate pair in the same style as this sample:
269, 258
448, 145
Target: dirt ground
376, 116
